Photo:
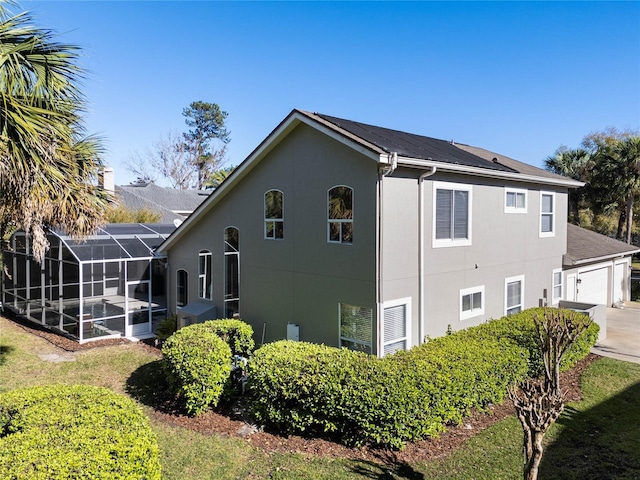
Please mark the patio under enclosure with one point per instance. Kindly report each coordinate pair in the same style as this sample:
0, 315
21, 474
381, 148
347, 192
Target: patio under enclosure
111, 284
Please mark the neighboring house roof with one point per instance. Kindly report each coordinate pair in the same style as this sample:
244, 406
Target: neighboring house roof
586, 246
171, 203
389, 148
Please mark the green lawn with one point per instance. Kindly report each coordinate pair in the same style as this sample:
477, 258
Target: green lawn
596, 438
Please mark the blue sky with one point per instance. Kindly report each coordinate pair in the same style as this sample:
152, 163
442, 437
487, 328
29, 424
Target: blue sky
516, 78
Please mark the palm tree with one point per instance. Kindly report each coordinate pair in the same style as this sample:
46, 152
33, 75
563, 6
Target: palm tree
617, 176
48, 171
576, 164
217, 177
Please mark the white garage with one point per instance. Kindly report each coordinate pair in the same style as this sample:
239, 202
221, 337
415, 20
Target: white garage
593, 286
597, 269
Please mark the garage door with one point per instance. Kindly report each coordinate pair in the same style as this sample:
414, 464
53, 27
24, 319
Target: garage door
592, 286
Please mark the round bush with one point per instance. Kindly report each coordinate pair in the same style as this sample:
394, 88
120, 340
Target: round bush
74, 432
236, 333
197, 363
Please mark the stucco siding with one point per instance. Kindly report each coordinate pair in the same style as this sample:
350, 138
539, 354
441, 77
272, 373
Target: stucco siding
503, 245
300, 278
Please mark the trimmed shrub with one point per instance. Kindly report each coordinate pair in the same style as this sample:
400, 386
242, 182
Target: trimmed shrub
236, 333
520, 329
358, 399
167, 327
75, 432
298, 387
197, 363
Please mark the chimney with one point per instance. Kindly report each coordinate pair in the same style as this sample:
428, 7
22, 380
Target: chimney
107, 180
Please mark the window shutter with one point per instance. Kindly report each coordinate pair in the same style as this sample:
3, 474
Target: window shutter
395, 329
461, 214
444, 203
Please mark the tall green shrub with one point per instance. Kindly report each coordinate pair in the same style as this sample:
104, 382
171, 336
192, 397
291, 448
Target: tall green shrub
197, 363
74, 432
236, 333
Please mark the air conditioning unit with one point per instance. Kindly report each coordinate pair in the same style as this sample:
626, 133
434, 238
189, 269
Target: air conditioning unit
196, 312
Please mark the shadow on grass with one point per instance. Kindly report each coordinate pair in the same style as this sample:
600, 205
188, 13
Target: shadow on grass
602, 442
376, 471
148, 385
5, 351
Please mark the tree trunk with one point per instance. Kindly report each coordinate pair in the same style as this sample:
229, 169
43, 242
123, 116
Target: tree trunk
533, 462
621, 222
629, 214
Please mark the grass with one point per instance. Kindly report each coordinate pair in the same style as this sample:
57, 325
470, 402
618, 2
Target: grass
597, 437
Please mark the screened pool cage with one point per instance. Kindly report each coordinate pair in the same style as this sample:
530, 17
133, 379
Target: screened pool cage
108, 285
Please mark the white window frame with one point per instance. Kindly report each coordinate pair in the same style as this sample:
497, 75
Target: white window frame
203, 292
474, 312
552, 233
507, 281
554, 299
340, 220
369, 344
407, 338
452, 242
515, 208
274, 221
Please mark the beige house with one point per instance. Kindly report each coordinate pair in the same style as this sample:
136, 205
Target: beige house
338, 232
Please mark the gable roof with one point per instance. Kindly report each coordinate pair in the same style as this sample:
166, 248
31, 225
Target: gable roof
171, 203
385, 146
586, 246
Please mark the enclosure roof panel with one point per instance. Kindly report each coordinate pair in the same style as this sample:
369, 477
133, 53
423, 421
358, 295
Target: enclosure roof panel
117, 241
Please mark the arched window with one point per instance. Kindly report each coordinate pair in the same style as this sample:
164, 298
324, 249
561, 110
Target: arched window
274, 215
340, 215
232, 272
182, 288
204, 275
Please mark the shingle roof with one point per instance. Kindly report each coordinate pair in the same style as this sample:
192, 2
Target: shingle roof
584, 246
170, 202
413, 145
515, 165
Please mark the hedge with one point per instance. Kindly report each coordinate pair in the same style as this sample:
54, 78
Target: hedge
74, 432
520, 329
236, 333
197, 363
298, 387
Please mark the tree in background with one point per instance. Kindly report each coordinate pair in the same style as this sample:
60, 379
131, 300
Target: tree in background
189, 160
48, 170
207, 124
121, 214
576, 164
608, 162
217, 177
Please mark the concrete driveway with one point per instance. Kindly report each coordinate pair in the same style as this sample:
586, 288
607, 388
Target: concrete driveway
623, 334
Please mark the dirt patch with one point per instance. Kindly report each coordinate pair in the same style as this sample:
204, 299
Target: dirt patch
233, 421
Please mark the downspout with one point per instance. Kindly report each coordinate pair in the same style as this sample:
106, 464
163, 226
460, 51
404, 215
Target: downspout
421, 268
387, 169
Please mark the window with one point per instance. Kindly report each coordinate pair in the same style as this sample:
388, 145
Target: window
340, 215
452, 214
204, 275
356, 327
515, 200
232, 272
395, 329
514, 294
471, 302
557, 286
273, 215
182, 288
547, 207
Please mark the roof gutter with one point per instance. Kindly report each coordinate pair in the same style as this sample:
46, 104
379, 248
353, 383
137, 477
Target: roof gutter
612, 256
483, 172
